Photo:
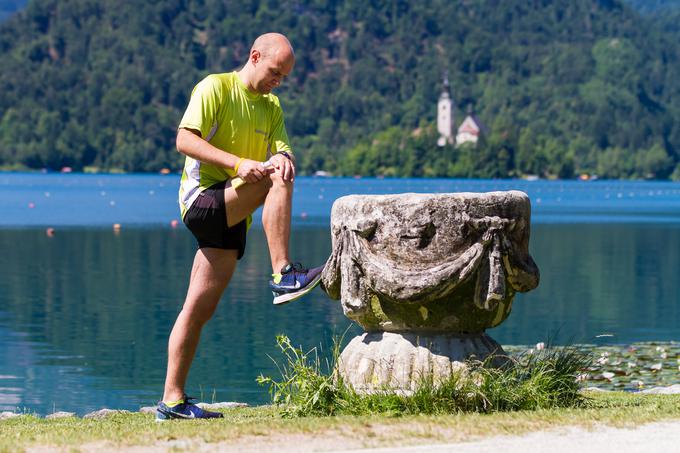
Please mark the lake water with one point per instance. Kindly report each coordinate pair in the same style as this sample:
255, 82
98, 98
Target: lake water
85, 314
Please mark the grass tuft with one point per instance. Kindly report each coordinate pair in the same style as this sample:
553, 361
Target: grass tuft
545, 379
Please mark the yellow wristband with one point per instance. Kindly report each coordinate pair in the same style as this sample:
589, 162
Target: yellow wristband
238, 163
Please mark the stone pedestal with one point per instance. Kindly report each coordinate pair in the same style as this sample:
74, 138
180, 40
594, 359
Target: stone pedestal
425, 275
402, 360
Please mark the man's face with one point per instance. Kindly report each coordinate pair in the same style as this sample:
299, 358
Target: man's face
270, 70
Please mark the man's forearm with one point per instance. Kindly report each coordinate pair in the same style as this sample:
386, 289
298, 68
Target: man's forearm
191, 144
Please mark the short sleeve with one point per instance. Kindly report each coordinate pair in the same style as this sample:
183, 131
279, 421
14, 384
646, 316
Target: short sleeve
201, 113
279, 137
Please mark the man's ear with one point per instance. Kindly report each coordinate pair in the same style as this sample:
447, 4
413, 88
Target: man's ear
255, 56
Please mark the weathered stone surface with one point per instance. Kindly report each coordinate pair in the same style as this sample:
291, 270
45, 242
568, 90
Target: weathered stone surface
6, 414
425, 275
402, 360
103, 413
61, 414
222, 405
430, 262
670, 390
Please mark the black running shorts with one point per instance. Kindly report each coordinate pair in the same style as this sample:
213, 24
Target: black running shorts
207, 221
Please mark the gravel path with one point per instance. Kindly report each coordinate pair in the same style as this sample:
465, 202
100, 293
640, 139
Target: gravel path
648, 438
652, 437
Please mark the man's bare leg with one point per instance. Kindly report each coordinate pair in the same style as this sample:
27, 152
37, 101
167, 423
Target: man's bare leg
277, 196
211, 272
276, 217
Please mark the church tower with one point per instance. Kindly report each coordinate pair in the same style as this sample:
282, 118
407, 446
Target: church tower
445, 114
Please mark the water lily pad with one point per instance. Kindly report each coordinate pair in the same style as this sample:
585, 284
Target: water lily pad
629, 367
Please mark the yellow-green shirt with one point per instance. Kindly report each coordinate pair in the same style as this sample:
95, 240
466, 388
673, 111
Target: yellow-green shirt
233, 119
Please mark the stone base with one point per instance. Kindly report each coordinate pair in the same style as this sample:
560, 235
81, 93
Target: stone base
399, 361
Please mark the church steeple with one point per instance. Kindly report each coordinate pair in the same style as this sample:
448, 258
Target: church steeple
445, 114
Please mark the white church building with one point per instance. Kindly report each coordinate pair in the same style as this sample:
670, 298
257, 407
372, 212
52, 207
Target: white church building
469, 130
445, 115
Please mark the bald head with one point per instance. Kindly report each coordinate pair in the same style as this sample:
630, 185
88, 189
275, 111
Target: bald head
271, 59
273, 44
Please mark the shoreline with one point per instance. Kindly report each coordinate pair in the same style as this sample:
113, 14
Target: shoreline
638, 368
105, 412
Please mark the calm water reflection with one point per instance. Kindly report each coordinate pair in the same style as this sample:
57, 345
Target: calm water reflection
85, 315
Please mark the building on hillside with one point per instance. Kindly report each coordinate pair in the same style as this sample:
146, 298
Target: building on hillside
445, 115
470, 129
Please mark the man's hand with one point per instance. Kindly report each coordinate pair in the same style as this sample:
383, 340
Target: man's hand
283, 166
252, 171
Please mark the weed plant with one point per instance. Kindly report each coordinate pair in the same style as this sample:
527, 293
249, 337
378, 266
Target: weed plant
542, 379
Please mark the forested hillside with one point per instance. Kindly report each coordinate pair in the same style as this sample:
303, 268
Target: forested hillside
585, 86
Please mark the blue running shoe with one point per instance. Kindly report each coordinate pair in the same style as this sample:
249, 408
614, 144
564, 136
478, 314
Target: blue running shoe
293, 282
184, 409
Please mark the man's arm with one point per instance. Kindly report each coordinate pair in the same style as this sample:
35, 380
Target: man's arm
190, 143
284, 160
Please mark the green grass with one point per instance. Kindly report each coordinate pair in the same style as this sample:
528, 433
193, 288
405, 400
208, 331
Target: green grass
539, 380
244, 426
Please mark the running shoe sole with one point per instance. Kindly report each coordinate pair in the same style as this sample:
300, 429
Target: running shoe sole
289, 297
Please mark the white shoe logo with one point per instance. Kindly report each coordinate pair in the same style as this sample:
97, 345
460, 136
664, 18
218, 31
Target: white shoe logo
295, 286
191, 415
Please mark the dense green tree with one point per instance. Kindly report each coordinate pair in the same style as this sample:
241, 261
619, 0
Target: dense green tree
654, 162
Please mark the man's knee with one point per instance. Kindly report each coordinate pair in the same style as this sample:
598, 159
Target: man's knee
277, 182
273, 181
199, 314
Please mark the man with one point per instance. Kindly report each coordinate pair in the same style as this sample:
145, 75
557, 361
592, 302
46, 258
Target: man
232, 125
